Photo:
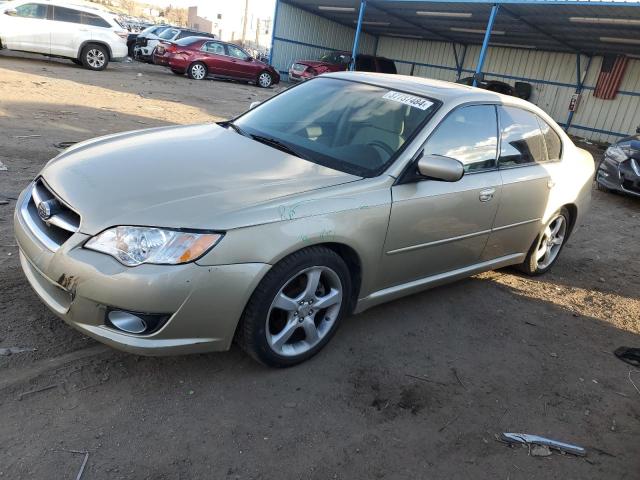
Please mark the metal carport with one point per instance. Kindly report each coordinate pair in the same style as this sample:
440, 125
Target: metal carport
561, 42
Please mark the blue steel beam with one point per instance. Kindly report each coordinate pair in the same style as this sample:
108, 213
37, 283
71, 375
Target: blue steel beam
485, 42
354, 52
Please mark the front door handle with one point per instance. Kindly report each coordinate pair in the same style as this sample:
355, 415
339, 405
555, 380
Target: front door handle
487, 194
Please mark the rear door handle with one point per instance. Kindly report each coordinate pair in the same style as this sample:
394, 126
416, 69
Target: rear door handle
487, 194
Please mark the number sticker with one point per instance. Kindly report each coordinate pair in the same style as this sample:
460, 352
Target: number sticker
411, 100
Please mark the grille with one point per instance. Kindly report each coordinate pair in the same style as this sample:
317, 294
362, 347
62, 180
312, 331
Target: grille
48, 217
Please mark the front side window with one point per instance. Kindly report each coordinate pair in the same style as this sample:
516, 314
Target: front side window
237, 52
69, 15
32, 10
521, 139
94, 20
468, 134
214, 47
348, 126
551, 140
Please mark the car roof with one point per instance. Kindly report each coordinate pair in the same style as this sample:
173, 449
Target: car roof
83, 7
446, 92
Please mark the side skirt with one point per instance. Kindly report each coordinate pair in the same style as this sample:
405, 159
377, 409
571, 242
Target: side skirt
397, 291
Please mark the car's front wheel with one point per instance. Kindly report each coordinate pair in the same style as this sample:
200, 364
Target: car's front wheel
265, 80
197, 71
94, 57
547, 247
296, 308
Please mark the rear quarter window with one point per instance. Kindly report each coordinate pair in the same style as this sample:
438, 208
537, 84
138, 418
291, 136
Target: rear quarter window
68, 15
552, 141
521, 140
94, 20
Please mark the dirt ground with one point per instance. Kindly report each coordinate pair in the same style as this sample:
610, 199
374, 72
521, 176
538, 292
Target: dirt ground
417, 388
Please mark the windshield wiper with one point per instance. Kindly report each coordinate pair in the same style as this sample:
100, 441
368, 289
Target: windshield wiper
229, 123
275, 143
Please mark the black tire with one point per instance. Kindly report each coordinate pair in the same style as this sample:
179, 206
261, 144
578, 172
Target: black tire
530, 265
94, 57
264, 79
251, 334
602, 188
193, 72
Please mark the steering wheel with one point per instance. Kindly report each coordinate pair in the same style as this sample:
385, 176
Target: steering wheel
382, 146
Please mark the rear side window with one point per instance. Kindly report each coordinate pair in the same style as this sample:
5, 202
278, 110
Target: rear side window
551, 140
521, 140
69, 15
94, 20
32, 10
468, 134
214, 47
183, 42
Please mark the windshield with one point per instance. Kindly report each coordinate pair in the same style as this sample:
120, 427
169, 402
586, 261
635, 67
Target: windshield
169, 33
348, 126
336, 58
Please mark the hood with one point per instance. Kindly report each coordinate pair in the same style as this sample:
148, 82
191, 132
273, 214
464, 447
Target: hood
316, 63
200, 177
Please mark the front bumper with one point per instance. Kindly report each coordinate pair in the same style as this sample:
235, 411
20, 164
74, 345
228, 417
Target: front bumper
622, 177
79, 285
143, 53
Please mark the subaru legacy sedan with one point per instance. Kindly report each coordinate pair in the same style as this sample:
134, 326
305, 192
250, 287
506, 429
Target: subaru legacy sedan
341, 193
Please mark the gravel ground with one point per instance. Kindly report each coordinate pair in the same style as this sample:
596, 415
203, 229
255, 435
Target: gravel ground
417, 388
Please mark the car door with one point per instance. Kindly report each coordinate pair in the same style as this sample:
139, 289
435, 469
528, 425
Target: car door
216, 58
67, 31
526, 183
435, 226
27, 29
241, 66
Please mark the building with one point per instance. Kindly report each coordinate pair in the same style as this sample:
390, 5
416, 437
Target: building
198, 23
563, 48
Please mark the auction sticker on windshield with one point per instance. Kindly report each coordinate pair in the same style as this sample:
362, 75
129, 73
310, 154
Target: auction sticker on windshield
411, 100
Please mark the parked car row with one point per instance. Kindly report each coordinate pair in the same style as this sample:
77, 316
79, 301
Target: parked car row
88, 36
339, 61
149, 39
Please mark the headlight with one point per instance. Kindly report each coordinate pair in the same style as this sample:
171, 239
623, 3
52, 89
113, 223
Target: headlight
133, 246
616, 153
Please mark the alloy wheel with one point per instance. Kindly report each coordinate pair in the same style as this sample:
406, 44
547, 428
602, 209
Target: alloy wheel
304, 311
551, 242
198, 71
95, 58
264, 80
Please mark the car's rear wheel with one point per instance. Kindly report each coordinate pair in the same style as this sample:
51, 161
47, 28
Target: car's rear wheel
197, 71
94, 57
265, 80
547, 247
296, 308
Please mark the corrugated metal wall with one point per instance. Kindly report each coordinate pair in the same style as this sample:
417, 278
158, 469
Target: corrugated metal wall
299, 34
553, 76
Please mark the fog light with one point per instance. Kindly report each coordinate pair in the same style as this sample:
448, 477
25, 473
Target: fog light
137, 323
127, 322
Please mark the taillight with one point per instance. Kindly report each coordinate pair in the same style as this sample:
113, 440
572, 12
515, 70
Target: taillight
122, 34
172, 49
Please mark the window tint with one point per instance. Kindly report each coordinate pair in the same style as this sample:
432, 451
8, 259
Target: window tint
32, 10
551, 140
214, 47
94, 20
521, 139
62, 14
468, 134
237, 52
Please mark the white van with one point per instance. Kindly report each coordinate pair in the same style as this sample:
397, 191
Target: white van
88, 36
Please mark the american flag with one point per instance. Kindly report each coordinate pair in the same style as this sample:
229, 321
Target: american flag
611, 73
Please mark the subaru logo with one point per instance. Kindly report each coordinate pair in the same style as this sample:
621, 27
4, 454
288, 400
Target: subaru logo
45, 209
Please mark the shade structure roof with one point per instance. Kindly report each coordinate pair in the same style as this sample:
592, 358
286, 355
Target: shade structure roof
590, 27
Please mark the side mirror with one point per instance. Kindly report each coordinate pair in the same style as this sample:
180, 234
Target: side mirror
254, 105
441, 168
11, 12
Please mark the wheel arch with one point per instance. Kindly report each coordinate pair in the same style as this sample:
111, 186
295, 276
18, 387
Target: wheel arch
573, 212
94, 42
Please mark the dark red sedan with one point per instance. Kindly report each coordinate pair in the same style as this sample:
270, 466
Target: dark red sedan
339, 61
201, 57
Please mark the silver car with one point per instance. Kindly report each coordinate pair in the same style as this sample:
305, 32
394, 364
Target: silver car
336, 195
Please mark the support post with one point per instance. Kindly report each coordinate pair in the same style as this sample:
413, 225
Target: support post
580, 78
273, 31
485, 42
464, 54
356, 40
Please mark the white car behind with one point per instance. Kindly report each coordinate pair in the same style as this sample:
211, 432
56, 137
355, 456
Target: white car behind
88, 36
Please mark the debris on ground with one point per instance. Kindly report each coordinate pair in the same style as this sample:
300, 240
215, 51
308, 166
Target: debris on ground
631, 380
37, 390
3, 167
5, 352
27, 136
531, 440
540, 451
629, 355
63, 145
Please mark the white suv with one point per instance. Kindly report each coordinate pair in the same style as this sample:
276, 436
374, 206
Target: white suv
88, 36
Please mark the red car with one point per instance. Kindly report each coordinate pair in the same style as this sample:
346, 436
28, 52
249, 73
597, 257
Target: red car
201, 57
336, 62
